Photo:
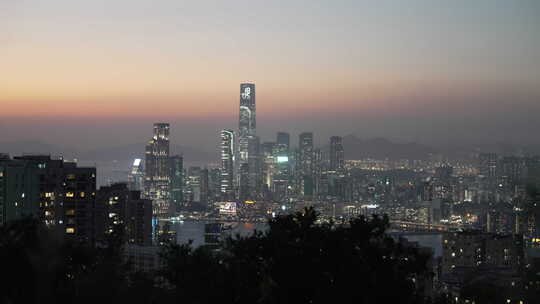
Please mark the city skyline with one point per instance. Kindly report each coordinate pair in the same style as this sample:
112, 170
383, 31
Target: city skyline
301, 151
411, 71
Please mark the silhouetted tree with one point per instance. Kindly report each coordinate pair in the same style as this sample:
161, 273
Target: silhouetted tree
296, 260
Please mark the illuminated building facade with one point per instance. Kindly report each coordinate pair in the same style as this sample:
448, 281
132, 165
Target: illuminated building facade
227, 164
67, 197
254, 168
157, 172
117, 206
136, 176
248, 159
247, 120
475, 249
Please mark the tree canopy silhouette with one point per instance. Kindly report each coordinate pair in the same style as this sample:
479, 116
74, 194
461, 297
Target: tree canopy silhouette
296, 260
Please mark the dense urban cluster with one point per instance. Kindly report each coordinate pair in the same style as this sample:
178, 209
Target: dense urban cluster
483, 208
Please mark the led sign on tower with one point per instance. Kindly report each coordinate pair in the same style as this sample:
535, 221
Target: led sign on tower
247, 93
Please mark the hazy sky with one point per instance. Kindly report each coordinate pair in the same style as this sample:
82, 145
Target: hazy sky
95, 73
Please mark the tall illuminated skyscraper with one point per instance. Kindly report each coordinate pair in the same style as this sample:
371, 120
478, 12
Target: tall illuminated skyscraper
247, 123
157, 173
247, 120
227, 163
247, 159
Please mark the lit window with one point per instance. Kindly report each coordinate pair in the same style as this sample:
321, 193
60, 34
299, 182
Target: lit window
71, 176
70, 212
82, 194
70, 230
70, 194
453, 254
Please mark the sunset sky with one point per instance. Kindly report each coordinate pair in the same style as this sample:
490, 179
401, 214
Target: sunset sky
428, 71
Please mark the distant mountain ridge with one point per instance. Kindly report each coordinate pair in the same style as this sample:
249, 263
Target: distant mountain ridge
354, 146
121, 153
382, 148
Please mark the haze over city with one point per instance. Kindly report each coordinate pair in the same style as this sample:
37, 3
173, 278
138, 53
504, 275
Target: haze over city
97, 73
300, 151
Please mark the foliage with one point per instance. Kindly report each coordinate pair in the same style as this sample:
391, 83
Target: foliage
296, 260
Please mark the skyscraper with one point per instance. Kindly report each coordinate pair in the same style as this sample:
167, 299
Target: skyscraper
248, 159
157, 170
337, 156
254, 167
247, 123
306, 163
247, 120
227, 164
176, 177
193, 185
136, 176
283, 141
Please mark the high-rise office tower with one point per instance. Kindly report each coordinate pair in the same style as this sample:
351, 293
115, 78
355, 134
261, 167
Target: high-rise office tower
243, 181
176, 177
157, 170
247, 124
305, 169
136, 176
205, 187
247, 120
214, 186
267, 163
282, 164
283, 141
193, 185
248, 159
227, 164
337, 156
254, 167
